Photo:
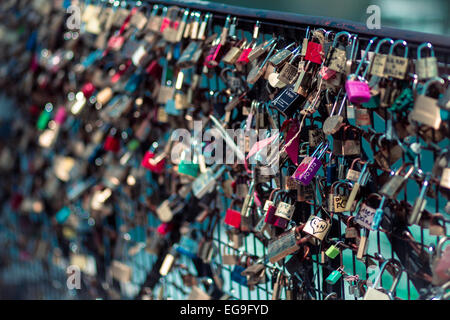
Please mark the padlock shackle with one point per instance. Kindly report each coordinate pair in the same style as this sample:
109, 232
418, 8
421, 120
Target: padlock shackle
399, 42
381, 42
398, 267
354, 162
363, 58
423, 46
340, 34
440, 245
432, 81
403, 168
324, 149
317, 150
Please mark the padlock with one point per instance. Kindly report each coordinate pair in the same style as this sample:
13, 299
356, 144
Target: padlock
287, 101
284, 210
238, 269
419, 203
260, 49
441, 263
187, 167
366, 211
259, 69
391, 188
283, 246
351, 141
308, 168
379, 59
234, 52
313, 50
112, 142
233, 217
317, 227
334, 276
45, 117
270, 207
333, 250
426, 111
426, 68
353, 174
289, 72
281, 56
374, 293
153, 162
336, 57
357, 88
351, 230
339, 195
334, 122
396, 66
206, 181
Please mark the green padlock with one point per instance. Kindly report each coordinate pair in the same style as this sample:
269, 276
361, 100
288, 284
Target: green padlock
188, 168
133, 144
333, 250
334, 276
45, 117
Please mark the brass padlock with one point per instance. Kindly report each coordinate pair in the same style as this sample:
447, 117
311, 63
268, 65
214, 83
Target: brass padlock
379, 59
337, 58
426, 68
396, 66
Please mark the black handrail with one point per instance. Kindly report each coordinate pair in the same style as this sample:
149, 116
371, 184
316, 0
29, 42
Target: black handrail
285, 20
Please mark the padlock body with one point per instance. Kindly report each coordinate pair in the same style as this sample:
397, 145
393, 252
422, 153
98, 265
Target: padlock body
307, 170
233, 218
357, 91
333, 277
427, 112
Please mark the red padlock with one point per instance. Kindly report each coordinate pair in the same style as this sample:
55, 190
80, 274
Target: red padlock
243, 58
233, 217
112, 143
314, 52
153, 163
88, 90
164, 228
16, 201
212, 59
154, 69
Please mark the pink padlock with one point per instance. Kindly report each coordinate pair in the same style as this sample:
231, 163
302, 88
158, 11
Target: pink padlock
61, 115
327, 73
357, 91
357, 88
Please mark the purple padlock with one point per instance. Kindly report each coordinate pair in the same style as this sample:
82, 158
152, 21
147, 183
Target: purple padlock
306, 171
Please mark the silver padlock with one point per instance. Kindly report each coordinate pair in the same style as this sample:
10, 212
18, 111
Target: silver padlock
391, 188
374, 293
426, 111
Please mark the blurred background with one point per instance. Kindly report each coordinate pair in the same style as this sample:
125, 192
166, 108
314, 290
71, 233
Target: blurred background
430, 16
